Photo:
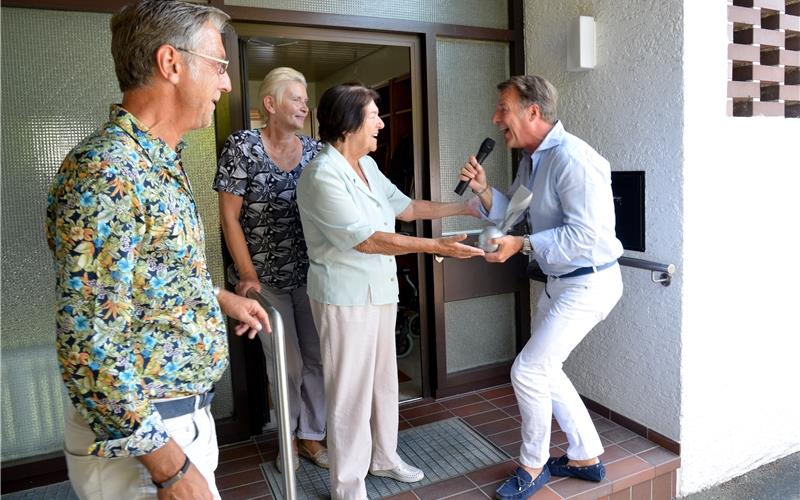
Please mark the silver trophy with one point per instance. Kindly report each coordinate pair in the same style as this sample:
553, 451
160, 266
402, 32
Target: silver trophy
518, 204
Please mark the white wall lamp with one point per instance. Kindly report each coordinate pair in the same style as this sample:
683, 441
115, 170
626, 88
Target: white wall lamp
581, 44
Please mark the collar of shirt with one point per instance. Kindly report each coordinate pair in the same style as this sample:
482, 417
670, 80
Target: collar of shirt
154, 147
553, 138
341, 162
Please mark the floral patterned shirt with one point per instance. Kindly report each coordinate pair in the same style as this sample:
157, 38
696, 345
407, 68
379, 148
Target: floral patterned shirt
136, 315
269, 217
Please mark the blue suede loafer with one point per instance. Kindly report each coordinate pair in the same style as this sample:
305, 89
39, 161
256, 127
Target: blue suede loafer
522, 485
559, 467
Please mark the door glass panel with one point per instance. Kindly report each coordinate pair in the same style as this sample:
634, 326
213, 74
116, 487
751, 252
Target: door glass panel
466, 103
480, 332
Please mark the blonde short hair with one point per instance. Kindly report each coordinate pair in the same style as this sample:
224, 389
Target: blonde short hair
274, 84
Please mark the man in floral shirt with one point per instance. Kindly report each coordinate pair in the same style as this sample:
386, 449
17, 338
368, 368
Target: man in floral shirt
140, 333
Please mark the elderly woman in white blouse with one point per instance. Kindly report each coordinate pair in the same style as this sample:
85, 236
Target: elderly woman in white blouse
348, 209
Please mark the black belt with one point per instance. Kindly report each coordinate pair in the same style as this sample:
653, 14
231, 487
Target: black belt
183, 406
586, 270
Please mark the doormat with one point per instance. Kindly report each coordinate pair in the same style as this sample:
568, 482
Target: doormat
442, 449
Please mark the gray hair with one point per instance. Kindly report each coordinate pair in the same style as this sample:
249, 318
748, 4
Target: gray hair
138, 30
275, 83
534, 89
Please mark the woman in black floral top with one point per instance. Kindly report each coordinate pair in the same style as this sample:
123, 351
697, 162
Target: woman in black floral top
256, 179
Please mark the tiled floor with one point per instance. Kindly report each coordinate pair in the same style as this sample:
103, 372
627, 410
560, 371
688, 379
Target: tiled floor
636, 468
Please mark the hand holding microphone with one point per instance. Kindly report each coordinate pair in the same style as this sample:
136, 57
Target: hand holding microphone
475, 172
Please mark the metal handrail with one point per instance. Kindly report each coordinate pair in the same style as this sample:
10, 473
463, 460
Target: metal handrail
659, 273
282, 388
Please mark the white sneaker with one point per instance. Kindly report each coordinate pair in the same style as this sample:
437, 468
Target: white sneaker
403, 472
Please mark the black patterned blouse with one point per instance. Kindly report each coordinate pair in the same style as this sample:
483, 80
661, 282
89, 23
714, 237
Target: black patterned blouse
270, 219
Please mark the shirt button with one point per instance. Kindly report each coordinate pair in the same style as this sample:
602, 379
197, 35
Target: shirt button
391, 279
385, 223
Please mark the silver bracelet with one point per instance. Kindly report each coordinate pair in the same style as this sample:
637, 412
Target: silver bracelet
482, 191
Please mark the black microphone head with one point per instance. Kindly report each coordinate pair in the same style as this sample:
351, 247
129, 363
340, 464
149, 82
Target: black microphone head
486, 147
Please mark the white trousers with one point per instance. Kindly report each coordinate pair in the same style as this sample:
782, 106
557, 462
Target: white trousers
567, 310
97, 478
306, 391
360, 367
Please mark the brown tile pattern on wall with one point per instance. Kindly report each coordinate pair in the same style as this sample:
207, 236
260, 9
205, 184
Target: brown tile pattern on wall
638, 467
764, 58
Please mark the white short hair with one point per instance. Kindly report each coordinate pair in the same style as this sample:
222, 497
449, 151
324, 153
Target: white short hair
274, 84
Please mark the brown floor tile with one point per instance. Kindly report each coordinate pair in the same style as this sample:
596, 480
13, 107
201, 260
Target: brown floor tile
603, 424
457, 401
546, 494
420, 411
627, 422
512, 411
605, 441
554, 425
473, 409
558, 438
642, 491
445, 488
621, 495
237, 451
255, 490
572, 487
663, 460
505, 401
240, 465
613, 453
406, 495
507, 437
493, 473
556, 451
432, 417
403, 425
512, 450
475, 494
618, 435
268, 447
485, 417
497, 426
662, 487
628, 471
638, 445
416, 403
489, 489
497, 392
239, 479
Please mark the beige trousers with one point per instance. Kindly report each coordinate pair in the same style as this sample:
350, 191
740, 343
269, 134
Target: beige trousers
97, 478
360, 371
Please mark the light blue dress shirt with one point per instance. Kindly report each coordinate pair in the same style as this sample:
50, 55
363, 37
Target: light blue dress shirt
339, 211
572, 210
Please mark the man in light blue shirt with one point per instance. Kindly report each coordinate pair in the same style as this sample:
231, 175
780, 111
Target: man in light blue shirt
571, 217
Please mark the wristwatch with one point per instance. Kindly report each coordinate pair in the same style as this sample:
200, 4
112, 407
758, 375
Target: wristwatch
527, 248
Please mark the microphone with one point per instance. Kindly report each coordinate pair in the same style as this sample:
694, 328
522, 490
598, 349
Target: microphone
486, 147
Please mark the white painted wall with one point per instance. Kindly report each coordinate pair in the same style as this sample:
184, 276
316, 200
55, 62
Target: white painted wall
629, 108
380, 66
742, 212
709, 360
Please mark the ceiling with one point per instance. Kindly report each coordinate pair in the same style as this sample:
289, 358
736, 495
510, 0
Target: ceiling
314, 58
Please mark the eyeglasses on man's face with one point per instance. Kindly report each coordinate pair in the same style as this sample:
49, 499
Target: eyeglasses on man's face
223, 63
